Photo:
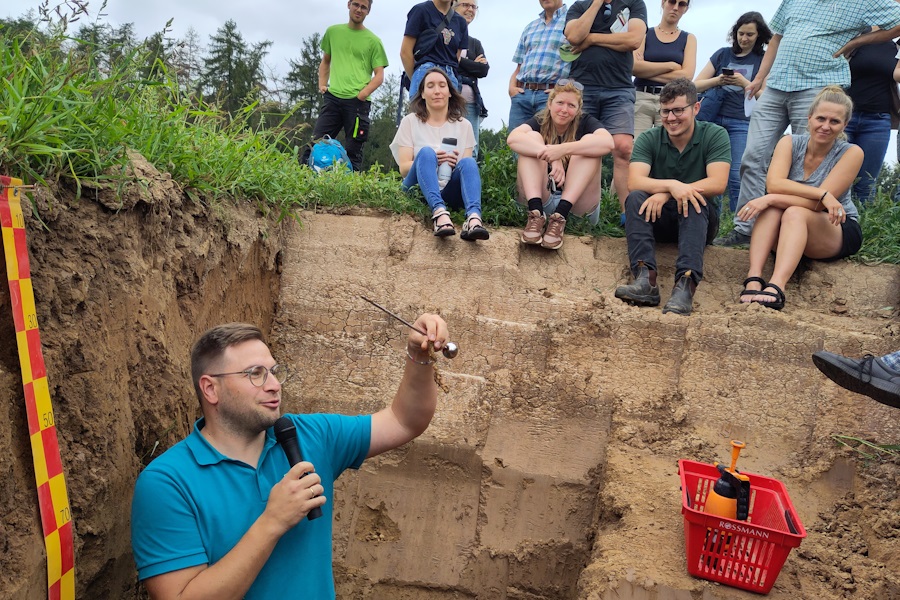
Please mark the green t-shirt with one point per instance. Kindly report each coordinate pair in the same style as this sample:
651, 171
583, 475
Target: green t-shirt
355, 53
709, 144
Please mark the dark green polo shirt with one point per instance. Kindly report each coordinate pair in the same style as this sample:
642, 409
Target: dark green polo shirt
709, 144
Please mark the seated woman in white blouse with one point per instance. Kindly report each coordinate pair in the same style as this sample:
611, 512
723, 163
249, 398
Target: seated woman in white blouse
437, 112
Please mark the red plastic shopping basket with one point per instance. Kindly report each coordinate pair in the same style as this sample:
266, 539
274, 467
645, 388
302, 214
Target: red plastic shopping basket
743, 554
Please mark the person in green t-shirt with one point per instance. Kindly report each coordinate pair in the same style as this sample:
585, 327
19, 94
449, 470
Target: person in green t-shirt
675, 170
346, 82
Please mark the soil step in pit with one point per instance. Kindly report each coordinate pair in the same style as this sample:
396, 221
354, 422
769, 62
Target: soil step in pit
498, 497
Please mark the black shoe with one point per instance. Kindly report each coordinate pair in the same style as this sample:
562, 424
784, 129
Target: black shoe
639, 292
734, 239
868, 376
682, 300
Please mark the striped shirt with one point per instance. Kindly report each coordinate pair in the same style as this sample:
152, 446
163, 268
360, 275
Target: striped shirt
813, 30
538, 50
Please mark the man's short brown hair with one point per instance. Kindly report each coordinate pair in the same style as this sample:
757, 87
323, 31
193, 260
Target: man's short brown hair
679, 87
212, 345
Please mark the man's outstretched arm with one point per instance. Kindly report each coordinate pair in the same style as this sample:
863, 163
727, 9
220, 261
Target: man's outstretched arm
416, 399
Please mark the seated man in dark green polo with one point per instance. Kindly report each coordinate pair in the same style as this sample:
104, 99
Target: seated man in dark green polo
675, 171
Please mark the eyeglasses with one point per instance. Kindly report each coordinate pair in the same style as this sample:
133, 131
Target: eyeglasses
681, 4
359, 6
572, 82
607, 9
258, 374
467, 6
665, 112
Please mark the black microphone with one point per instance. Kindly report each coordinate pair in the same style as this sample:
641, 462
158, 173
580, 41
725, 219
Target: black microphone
286, 434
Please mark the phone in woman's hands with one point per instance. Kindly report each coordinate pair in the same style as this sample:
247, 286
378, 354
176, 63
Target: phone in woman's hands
728, 72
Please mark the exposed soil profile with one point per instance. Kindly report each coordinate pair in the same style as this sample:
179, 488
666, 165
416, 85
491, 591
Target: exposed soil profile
549, 471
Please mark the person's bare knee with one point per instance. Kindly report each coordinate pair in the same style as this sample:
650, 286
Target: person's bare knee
624, 144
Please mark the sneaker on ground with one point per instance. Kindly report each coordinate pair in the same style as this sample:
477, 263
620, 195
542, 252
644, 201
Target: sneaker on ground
734, 239
553, 237
534, 228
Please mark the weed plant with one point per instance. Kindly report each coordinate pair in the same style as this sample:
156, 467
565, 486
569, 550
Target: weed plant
867, 449
63, 119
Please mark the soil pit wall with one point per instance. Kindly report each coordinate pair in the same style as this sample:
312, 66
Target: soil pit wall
123, 285
549, 470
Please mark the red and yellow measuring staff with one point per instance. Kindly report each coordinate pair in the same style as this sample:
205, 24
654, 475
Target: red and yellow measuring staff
56, 517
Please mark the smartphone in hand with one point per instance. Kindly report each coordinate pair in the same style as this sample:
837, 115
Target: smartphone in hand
728, 72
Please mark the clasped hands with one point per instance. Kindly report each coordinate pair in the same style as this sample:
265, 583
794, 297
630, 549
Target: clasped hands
685, 196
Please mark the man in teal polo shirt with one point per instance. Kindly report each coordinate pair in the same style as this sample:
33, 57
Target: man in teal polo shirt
221, 514
675, 170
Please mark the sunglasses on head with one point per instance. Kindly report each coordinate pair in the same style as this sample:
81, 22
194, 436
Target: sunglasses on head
572, 82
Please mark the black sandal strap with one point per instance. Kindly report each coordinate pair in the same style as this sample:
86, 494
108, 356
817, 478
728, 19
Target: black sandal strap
779, 292
758, 280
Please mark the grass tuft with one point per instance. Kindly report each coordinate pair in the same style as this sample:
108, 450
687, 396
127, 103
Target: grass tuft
867, 449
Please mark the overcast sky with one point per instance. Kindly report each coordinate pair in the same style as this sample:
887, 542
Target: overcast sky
498, 26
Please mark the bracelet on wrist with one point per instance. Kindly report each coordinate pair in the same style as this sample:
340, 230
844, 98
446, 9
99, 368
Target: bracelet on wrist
820, 200
409, 355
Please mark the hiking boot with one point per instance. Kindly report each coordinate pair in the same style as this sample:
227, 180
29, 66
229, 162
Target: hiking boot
534, 228
553, 237
639, 292
682, 300
869, 376
734, 239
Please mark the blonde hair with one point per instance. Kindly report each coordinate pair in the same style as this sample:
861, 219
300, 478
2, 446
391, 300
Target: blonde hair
548, 129
835, 95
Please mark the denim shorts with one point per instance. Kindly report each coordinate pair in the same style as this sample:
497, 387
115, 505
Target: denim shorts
613, 108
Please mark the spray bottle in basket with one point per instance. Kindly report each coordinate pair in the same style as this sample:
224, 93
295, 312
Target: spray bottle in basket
729, 498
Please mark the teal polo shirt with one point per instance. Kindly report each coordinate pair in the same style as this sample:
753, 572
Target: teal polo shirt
193, 504
709, 144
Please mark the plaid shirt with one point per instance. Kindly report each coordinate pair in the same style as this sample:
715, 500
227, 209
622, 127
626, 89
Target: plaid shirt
892, 360
538, 50
813, 30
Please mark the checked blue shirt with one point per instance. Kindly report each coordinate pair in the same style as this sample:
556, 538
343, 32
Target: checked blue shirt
892, 360
538, 50
813, 30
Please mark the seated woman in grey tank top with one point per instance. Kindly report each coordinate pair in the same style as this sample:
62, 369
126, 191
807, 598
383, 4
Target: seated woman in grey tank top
807, 210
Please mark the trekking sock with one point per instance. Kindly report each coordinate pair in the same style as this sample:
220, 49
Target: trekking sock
563, 208
535, 204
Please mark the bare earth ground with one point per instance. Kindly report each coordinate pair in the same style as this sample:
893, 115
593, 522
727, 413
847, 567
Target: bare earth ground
549, 471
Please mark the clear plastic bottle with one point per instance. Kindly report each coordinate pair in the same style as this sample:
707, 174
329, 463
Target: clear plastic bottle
444, 169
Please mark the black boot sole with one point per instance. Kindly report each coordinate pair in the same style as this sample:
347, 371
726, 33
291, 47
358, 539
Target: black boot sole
638, 300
